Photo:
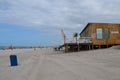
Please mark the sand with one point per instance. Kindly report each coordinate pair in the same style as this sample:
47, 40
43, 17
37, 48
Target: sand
46, 64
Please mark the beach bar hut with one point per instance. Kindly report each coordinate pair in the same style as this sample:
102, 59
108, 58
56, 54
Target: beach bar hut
102, 34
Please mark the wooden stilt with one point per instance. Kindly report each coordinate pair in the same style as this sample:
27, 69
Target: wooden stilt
89, 47
107, 43
92, 46
99, 46
66, 48
73, 48
78, 47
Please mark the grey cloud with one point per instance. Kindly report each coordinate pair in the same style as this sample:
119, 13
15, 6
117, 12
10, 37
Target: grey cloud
66, 14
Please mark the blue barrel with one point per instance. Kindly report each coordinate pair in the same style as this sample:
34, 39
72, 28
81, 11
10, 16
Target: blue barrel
13, 60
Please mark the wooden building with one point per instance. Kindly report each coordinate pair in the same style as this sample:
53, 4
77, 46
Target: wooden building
102, 34
93, 36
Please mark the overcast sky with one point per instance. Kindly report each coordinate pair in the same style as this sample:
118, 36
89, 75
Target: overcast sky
37, 22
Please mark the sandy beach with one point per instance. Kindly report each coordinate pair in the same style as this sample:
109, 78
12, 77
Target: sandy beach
46, 64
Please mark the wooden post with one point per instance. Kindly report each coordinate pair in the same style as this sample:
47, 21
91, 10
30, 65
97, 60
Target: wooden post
66, 48
78, 47
89, 47
107, 43
99, 46
92, 46
70, 48
73, 48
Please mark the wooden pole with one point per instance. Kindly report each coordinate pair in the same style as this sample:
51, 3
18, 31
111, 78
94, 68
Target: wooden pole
89, 47
107, 43
92, 46
99, 46
73, 48
78, 47
66, 48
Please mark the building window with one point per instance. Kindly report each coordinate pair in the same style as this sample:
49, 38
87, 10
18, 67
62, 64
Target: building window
106, 33
99, 33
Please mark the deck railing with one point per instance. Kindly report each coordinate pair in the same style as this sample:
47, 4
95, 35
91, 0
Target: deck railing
79, 40
85, 40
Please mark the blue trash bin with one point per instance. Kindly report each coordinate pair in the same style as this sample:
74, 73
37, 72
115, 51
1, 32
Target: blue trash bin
13, 60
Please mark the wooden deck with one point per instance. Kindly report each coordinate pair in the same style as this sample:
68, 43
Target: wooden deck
75, 47
83, 43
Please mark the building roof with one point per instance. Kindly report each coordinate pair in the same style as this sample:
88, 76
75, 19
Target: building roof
85, 28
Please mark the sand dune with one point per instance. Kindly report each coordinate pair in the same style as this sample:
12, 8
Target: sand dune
46, 64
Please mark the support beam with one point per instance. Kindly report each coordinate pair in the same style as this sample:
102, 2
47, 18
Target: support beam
99, 46
73, 48
78, 47
66, 48
89, 47
107, 45
92, 46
